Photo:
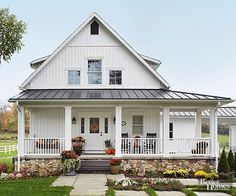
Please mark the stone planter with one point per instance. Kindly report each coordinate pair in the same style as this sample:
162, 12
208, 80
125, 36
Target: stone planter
70, 173
115, 169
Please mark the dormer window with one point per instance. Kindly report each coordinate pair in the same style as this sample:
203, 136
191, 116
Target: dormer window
94, 28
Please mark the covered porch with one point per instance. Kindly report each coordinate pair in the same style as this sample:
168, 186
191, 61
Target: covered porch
137, 122
132, 131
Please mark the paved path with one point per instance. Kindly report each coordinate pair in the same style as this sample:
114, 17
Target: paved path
169, 193
131, 193
211, 194
86, 184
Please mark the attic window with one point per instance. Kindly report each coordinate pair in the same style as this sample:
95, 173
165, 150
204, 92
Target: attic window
94, 28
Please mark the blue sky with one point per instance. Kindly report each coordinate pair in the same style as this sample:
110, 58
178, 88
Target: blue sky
195, 40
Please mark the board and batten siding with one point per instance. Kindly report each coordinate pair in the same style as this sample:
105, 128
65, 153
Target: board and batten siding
103, 46
47, 122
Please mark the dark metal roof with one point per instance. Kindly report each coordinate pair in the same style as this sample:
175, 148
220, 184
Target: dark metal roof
134, 94
222, 112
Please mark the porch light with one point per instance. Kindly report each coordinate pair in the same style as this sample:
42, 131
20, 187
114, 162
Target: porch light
114, 120
73, 121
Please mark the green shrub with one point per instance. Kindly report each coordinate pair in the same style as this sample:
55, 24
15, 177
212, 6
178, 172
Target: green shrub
223, 166
235, 161
231, 160
110, 192
189, 192
151, 192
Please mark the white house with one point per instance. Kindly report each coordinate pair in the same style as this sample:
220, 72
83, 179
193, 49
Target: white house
97, 86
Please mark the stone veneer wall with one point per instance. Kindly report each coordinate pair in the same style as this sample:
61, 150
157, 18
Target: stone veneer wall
139, 166
40, 167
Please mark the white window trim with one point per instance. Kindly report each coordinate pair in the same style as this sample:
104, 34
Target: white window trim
86, 70
73, 69
144, 123
108, 69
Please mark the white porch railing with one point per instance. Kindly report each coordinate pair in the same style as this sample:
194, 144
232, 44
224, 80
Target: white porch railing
141, 146
44, 146
185, 146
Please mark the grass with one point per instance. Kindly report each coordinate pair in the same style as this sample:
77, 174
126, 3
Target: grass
36, 187
7, 142
151, 192
7, 158
189, 192
110, 192
223, 139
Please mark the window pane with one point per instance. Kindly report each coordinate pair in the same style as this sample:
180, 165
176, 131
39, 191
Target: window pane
118, 80
106, 125
94, 28
94, 65
137, 129
94, 125
82, 125
115, 77
138, 124
73, 77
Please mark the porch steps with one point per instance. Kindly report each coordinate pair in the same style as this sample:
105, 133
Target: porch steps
95, 166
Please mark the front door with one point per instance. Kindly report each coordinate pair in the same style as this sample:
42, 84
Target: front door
94, 142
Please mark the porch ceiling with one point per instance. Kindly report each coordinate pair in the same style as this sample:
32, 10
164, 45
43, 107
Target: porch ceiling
106, 94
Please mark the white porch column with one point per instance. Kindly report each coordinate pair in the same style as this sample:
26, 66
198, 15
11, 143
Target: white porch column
232, 136
21, 130
165, 130
198, 123
118, 130
213, 132
67, 128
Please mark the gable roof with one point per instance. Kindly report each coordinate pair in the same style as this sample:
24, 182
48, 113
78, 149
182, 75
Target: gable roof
74, 34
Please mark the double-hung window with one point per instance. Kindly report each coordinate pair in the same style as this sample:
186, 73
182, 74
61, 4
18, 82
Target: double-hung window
94, 71
171, 131
115, 77
73, 77
137, 124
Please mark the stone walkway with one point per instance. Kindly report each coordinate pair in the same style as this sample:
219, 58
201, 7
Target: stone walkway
211, 194
86, 184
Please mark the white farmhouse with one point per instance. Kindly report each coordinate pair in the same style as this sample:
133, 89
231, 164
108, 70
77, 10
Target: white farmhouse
95, 85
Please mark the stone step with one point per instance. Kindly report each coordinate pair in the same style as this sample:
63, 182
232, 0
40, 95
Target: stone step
95, 166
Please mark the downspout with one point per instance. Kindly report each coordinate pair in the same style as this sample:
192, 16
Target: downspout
218, 149
18, 150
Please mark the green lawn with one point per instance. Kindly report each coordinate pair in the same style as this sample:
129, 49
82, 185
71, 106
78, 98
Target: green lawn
223, 139
8, 142
36, 187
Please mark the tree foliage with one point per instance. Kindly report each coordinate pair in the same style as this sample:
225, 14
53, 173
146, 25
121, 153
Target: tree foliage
231, 160
11, 34
223, 166
9, 118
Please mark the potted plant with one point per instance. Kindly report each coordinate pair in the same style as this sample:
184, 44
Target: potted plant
115, 165
70, 162
78, 148
78, 140
110, 150
107, 143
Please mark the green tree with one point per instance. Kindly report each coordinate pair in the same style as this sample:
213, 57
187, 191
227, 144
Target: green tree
231, 160
235, 161
11, 34
223, 166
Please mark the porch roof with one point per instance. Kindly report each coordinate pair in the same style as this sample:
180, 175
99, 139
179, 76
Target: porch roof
118, 94
222, 112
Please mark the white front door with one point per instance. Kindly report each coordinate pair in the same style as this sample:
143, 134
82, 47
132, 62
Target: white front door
94, 136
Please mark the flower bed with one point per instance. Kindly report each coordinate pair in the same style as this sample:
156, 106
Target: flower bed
142, 184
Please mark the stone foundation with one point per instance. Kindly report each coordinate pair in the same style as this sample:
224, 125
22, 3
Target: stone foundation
160, 165
40, 167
